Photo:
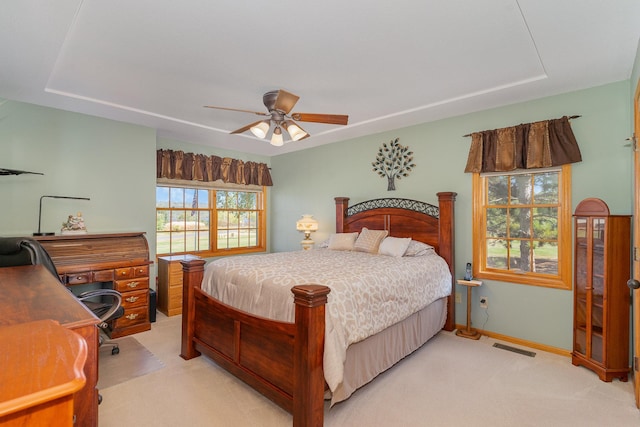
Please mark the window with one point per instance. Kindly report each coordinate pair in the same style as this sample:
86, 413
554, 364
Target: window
522, 227
209, 222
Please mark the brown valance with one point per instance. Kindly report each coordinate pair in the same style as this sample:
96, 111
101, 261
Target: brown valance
525, 146
199, 167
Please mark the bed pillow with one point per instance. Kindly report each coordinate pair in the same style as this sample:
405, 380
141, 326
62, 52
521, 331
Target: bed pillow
369, 240
418, 249
342, 241
394, 246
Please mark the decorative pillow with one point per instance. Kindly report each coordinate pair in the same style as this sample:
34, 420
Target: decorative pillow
394, 246
418, 249
342, 241
369, 240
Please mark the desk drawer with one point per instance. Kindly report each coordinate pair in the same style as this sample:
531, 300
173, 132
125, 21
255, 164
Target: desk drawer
78, 278
131, 272
132, 316
131, 284
135, 299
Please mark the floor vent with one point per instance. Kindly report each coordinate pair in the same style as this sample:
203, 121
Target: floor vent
515, 350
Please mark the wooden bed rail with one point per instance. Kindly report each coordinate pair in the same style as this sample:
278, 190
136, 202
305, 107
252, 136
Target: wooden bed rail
300, 344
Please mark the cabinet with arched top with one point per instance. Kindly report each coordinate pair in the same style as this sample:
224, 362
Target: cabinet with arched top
602, 266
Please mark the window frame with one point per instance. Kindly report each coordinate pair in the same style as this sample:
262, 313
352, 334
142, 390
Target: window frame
561, 280
213, 251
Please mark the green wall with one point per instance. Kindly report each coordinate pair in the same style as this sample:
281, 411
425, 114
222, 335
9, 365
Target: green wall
307, 181
110, 162
113, 163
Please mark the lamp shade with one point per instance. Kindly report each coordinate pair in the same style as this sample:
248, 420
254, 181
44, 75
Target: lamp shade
276, 138
260, 130
307, 223
296, 132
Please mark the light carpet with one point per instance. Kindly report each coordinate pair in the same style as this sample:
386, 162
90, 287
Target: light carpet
134, 360
449, 382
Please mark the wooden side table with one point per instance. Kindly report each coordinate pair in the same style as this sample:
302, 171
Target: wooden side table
469, 332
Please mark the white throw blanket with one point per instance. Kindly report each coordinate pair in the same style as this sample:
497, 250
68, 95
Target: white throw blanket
369, 292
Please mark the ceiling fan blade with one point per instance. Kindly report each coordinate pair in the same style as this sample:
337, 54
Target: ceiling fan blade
285, 101
236, 109
332, 119
246, 128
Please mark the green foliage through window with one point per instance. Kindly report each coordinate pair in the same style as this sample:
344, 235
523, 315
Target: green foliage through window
196, 220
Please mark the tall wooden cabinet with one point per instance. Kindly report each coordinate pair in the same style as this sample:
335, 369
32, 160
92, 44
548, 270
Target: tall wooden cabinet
602, 259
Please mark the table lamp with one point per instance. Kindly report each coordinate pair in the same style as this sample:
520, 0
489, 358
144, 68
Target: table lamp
308, 225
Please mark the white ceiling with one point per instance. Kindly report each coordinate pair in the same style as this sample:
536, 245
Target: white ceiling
385, 64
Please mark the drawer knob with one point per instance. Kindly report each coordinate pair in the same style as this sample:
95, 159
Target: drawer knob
131, 316
133, 284
131, 299
79, 277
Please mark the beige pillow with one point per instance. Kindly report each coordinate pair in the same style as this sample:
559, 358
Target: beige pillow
342, 241
369, 240
418, 249
394, 246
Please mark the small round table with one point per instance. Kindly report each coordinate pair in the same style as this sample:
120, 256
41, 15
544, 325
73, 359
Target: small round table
469, 332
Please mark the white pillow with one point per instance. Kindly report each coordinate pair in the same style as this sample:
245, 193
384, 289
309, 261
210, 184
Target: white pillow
418, 249
394, 246
369, 240
342, 241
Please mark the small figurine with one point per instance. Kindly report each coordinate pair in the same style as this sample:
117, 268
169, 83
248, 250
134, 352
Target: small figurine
74, 225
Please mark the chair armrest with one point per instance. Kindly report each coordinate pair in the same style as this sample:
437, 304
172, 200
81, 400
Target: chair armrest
117, 300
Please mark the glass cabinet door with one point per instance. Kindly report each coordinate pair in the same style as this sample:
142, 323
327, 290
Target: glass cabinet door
597, 287
581, 276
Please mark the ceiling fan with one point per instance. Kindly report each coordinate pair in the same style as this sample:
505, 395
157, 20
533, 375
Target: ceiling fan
279, 103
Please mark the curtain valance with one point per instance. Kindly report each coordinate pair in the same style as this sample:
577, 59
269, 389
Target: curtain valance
526, 146
199, 167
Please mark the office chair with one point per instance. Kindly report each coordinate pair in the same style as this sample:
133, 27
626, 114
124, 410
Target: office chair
15, 251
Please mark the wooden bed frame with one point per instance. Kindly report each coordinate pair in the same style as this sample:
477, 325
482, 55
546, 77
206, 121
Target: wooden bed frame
281, 360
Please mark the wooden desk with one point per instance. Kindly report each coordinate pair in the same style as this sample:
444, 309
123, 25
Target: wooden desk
33, 392
30, 293
119, 258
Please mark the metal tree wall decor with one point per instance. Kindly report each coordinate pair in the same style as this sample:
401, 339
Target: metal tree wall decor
393, 161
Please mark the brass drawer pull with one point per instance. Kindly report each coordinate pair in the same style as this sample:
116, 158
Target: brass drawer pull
132, 299
131, 316
133, 284
79, 278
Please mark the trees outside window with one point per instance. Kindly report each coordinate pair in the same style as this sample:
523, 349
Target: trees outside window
522, 227
209, 222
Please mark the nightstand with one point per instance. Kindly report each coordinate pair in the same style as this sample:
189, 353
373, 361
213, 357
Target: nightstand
469, 332
170, 283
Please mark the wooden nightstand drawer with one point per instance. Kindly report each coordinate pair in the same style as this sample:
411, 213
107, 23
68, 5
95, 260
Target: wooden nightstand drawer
135, 299
131, 284
170, 283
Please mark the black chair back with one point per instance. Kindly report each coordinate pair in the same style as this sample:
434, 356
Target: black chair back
15, 251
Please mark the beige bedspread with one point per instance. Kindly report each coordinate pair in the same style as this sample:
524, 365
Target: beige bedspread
369, 292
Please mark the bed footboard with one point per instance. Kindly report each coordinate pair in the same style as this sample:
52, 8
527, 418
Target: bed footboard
283, 361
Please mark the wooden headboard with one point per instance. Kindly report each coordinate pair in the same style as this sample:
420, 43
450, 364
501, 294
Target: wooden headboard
421, 221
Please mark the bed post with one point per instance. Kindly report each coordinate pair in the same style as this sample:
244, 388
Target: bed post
446, 242
308, 351
192, 272
342, 203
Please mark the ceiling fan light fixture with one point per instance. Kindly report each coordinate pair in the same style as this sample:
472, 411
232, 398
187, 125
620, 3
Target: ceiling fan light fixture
260, 130
276, 138
296, 132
